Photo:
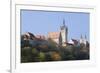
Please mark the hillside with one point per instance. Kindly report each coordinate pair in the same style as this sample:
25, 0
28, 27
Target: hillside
39, 50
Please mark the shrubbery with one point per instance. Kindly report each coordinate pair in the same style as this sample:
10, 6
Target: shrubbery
49, 51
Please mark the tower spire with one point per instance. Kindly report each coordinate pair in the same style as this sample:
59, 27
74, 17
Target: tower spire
81, 36
85, 37
63, 21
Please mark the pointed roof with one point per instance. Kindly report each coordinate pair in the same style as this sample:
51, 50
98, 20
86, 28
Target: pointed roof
63, 22
63, 25
81, 36
85, 37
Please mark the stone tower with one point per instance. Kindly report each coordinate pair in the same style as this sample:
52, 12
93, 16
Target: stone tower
64, 33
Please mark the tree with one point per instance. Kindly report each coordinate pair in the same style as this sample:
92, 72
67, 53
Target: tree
26, 54
41, 56
56, 56
52, 44
34, 51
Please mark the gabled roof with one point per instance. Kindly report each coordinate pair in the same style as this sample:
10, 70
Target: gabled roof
54, 35
29, 34
40, 37
70, 42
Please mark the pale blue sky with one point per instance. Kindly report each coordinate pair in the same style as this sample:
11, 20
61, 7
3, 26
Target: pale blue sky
42, 22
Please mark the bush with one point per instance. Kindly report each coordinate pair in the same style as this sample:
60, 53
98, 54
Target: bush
34, 51
41, 56
26, 55
52, 44
56, 56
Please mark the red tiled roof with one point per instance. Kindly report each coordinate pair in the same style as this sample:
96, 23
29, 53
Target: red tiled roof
53, 35
40, 36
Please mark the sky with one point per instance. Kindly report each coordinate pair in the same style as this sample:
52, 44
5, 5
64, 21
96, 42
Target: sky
42, 22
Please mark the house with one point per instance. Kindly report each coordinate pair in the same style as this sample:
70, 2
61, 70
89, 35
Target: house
42, 37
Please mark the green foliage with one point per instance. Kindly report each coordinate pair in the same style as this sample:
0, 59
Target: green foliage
56, 56
40, 51
41, 56
52, 44
70, 57
34, 51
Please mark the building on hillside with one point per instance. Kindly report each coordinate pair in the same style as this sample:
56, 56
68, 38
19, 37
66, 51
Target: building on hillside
73, 42
83, 40
61, 36
64, 33
56, 37
42, 37
28, 36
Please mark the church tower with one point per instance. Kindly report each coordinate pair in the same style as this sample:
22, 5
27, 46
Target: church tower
64, 33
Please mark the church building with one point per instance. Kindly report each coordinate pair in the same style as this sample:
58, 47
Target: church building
60, 37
